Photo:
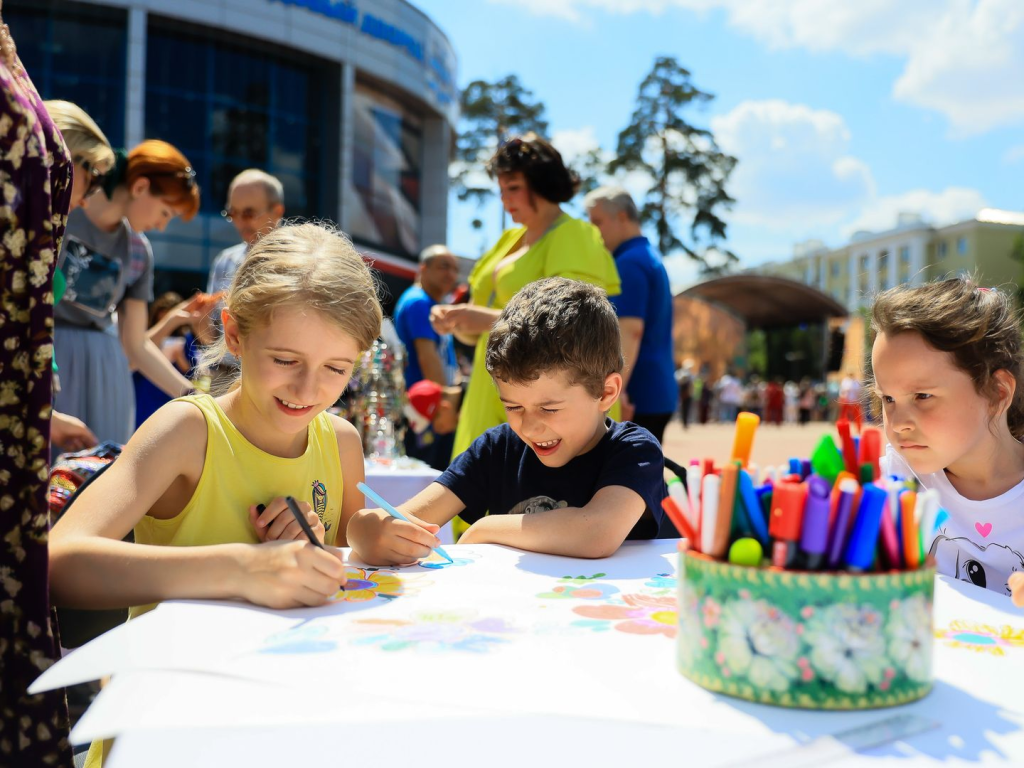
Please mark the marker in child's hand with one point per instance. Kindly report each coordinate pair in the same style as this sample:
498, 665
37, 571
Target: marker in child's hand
301, 520
368, 491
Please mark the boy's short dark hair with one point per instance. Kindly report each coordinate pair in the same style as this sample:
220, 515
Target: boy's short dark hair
556, 324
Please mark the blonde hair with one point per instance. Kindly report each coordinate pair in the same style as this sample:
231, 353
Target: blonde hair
84, 138
310, 265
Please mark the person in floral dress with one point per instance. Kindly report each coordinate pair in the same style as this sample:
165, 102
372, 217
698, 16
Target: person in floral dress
35, 193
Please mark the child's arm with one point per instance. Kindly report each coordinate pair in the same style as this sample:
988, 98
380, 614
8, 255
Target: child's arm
1016, 583
157, 473
353, 471
379, 539
595, 530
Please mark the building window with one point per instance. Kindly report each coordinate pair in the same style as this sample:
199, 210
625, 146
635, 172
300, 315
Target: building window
232, 107
387, 172
941, 249
77, 53
961, 246
904, 254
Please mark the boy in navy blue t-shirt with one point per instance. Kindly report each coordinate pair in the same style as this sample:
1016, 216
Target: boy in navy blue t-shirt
559, 477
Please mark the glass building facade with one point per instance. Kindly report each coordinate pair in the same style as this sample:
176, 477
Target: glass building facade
352, 114
78, 54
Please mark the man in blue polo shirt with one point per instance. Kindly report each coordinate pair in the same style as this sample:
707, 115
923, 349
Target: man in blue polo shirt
644, 308
428, 355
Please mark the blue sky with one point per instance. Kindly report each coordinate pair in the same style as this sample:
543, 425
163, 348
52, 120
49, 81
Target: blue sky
842, 114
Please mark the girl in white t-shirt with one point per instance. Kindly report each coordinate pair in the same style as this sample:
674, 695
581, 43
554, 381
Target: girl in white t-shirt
949, 375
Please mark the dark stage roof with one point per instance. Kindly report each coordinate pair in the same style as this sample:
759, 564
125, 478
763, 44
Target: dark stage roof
767, 302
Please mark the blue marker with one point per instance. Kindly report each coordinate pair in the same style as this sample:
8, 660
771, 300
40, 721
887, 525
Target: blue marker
794, 467
752, 505
860, 550
395, 513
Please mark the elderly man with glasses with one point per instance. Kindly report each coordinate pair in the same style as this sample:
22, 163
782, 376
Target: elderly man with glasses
255, 207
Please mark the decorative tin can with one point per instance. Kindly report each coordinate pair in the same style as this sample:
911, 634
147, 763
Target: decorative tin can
802, 639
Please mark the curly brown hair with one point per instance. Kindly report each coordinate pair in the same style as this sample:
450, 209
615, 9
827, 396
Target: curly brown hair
540, 163
979, 327
556, 324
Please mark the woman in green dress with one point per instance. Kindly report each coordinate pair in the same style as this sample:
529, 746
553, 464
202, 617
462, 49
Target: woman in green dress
546, 243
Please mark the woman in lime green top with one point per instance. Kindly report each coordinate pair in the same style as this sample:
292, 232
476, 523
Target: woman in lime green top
203, 481
548, 243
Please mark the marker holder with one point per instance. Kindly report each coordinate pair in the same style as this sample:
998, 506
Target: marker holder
802, 639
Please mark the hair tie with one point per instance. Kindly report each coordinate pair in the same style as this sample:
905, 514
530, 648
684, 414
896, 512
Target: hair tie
116, 174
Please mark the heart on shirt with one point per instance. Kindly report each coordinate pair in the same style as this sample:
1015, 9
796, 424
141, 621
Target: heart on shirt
984, 529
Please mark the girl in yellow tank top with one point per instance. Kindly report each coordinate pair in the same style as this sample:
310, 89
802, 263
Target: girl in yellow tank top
203, 481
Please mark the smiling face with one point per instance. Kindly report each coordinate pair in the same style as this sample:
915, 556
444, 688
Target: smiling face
934, 417
293, 368
558, 420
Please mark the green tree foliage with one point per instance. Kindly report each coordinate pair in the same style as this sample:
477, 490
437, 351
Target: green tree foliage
491, 113
687, 170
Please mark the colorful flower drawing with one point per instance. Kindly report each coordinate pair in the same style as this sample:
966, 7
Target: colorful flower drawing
303, 638
436, 632
593, 591
848, 647
759, 642
364, 584
981, 638
436, 562
641, 615
908, 631
662, 581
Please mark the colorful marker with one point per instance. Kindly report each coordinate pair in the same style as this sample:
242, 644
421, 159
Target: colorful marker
709, 515
693, 476
908, 524
849, 448
374, 496
863, 542
814, 533
871, 449
752, 506
746, 426
847, 491
786, 522
826, 460
746, 551
726, 502
679, 521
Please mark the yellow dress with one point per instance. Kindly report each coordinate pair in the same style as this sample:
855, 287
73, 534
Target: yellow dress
571, 248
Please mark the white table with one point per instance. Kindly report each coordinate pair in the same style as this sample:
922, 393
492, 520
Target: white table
398, 484
490, 662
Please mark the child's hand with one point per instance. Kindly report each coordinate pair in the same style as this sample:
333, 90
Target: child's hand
380, 539
1016, 583
277, 523
290, 574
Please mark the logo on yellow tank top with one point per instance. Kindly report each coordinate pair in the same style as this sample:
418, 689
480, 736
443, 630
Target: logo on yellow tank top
320, 503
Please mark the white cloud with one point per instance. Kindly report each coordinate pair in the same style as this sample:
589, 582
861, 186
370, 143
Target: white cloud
1014, 154
574, 143
939, 208
793, 165
963, 58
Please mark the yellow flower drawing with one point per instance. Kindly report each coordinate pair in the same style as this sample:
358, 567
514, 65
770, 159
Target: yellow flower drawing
981, 638
362, 584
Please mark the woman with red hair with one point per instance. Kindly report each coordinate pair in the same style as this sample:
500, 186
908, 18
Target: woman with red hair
102, 320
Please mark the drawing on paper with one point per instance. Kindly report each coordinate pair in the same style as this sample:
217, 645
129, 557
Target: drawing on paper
636, 615
302, 638
436, 632
363, 584
436, 562
981, 638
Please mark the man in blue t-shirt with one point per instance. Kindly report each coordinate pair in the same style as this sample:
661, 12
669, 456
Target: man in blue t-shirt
559, 477
428, 355
644, 308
